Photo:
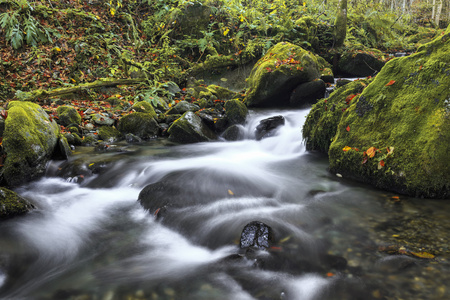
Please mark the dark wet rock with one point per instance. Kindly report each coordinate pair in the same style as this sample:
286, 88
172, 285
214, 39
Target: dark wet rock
307, 93
140, 124
182, 107
359, 65
68, 115
256, 235
73, 139
62, 149
190, 129
268, 127
233, 133
236, 111
29, 141
12, 204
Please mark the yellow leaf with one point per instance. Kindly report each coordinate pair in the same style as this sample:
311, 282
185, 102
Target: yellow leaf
346, 148
113, 11
273, 12
371, 152
304, 3
423, 254
57, 49
225, 32
230, 193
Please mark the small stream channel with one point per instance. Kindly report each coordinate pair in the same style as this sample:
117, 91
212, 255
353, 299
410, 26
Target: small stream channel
90, 239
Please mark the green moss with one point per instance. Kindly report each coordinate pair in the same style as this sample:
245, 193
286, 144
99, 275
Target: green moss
145, 107
140, 124
29, 141
275, 75
190, 129
322, 121
68, 115
11, 204
221, 92
410, 111
109, 134
236, 111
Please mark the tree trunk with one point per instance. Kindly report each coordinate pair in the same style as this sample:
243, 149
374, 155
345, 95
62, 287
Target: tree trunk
340, 24
438, 13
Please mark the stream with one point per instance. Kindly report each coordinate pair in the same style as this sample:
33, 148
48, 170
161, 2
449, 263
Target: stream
90, 239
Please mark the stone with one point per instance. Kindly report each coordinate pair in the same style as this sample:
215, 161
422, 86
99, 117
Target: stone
359, 65
68, 115
140, 124
395, 134
29, 142
273, 78
268, 127
109, 134
101, 119
233, 133
256, 236
307, 93
144, 106
236, 111
182, 107
190, 129
12, 204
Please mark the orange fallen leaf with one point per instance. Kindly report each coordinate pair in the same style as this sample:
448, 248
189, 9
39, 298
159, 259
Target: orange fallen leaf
329, 274
348, 128
371, 152
381, 164
390, 83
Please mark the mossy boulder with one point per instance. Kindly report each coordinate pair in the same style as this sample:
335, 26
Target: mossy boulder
221, 92
12, 204
274, 76
395, 135
29, 141
182, 107
236, 111
145, 107
307, 93
140, 124
359, 65
109, 134
190, 129
68, 115
322, 121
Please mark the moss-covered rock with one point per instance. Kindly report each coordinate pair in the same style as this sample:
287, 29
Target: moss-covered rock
140, 124
29, 141
307, 93
322, 121
190, 129
182, 107
11, 204
102, 119
68, 115
109, 134
221, 92
274, 76
145, 107
236, 111
395, 135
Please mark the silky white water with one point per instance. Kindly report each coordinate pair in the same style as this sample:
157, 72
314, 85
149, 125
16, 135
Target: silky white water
91, 238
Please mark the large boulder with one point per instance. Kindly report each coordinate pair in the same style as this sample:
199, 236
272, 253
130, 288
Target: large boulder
278, 73
395, 135
140, 124
307, 93
190, 129
29, 141
11, 204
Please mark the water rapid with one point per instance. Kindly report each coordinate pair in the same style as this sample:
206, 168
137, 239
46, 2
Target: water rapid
90, 238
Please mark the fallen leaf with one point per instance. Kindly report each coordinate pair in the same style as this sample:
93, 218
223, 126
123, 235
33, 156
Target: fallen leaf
346, 148
390, 83
423, 255
381, 164
230, 193
371, 152
348, 128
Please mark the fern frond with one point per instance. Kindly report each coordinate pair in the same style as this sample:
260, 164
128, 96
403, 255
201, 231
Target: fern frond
16, 37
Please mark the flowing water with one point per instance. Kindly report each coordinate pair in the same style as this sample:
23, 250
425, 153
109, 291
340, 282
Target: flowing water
90, 238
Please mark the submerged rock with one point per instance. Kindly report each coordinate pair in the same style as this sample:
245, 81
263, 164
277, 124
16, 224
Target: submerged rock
395, 134
11, 204
29, 142
274, 76
190, 129
268, 127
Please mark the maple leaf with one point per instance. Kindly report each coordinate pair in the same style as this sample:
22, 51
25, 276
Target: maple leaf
371, 152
